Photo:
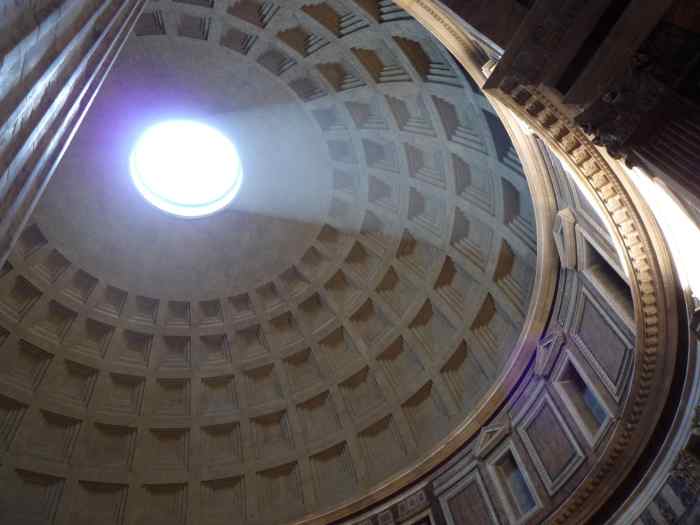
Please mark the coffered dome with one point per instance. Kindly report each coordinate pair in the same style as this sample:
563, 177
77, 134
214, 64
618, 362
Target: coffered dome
314, 339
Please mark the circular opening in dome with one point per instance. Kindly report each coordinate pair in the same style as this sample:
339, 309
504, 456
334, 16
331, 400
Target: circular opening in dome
186, 168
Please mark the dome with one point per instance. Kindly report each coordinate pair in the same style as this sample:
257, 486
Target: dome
325, 330
319, 261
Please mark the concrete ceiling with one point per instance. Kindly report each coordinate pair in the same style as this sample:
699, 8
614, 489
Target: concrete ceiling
290, 353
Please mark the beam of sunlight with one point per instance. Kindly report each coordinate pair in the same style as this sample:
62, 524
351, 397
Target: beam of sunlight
681, 232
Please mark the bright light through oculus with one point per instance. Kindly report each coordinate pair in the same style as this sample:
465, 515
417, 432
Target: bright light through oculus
186, 168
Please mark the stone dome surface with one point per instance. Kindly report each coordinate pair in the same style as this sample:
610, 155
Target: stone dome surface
310, 342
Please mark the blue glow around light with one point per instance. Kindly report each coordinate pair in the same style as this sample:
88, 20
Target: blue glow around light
186, 168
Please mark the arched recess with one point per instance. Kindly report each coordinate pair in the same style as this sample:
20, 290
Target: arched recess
634, 229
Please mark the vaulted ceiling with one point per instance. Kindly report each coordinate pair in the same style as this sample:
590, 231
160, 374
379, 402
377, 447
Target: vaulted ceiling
348, 311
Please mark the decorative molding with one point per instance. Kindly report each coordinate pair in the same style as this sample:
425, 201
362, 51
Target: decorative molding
564, 232
491, 435
474, 481
645, 254
411, 505
547, 352
552, 484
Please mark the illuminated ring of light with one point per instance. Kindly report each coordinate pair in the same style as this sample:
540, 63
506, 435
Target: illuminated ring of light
186, 168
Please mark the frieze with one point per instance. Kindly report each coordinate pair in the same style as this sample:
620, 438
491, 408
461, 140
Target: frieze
412, 505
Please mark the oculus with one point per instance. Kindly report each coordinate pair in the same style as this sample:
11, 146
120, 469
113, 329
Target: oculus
186, 168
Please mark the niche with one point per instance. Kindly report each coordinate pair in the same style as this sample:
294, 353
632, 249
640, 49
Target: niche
515, 488
608, 280
583, 402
